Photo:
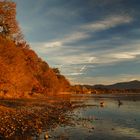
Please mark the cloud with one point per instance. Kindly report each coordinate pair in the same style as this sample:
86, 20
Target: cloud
74, 74
106, 58
61, 54
128, 52
78, 62
76, 59
75, 36
53, 44
83, 68
72, 37
84, 31
107, 23
124, 56
90, 60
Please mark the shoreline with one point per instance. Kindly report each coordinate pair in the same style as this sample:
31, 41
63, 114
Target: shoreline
31, 117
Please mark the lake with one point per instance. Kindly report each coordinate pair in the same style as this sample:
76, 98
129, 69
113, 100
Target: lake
72, 117
104, 117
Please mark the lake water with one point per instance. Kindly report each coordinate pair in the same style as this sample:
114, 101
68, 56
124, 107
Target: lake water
104, 117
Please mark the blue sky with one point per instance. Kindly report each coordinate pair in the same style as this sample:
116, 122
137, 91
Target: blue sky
90, 41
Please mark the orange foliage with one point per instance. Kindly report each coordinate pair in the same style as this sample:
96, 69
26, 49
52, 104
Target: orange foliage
22, 71
8, 23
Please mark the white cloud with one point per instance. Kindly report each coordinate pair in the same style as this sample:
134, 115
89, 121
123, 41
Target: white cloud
73, 37
95, 26
90, 60
124, 56
103, 57
84, 31
119, 54
53, 44
107, 23
74, 74
83, 68
76, 59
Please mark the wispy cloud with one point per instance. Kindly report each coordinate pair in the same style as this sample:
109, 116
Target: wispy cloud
80, 63
76, 59
103, 57
124, 55
74, 74
107, 23
83, 68
91, 59
53, 44
76, 36
89, 41
72, 37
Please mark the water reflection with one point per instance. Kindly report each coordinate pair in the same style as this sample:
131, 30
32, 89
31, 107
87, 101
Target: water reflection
119, 103
88, 117
100, 118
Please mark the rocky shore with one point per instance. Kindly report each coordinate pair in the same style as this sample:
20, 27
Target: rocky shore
31, 117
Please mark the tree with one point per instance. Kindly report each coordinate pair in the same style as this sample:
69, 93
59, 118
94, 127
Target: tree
56, 71
8, 24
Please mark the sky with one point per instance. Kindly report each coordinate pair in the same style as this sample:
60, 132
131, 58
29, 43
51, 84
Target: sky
90, 41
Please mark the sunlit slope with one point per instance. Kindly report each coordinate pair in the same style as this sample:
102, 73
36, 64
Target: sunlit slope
23, 73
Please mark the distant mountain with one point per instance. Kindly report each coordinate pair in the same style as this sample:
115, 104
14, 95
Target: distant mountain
122, 85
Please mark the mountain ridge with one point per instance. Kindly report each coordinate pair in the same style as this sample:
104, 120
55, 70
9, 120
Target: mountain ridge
135, 84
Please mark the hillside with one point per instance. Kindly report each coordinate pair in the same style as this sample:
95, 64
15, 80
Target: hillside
122, 85
23, 73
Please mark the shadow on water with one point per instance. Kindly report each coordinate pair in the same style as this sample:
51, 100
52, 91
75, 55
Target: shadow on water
71, 117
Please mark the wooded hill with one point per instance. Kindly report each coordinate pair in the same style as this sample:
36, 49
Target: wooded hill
22, 72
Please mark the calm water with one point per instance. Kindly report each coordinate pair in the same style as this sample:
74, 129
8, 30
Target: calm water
101, 118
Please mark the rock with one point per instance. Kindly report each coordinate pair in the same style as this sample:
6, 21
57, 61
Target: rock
46, 136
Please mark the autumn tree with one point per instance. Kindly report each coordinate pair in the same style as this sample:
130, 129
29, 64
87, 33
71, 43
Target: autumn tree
8, 24
56, 70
